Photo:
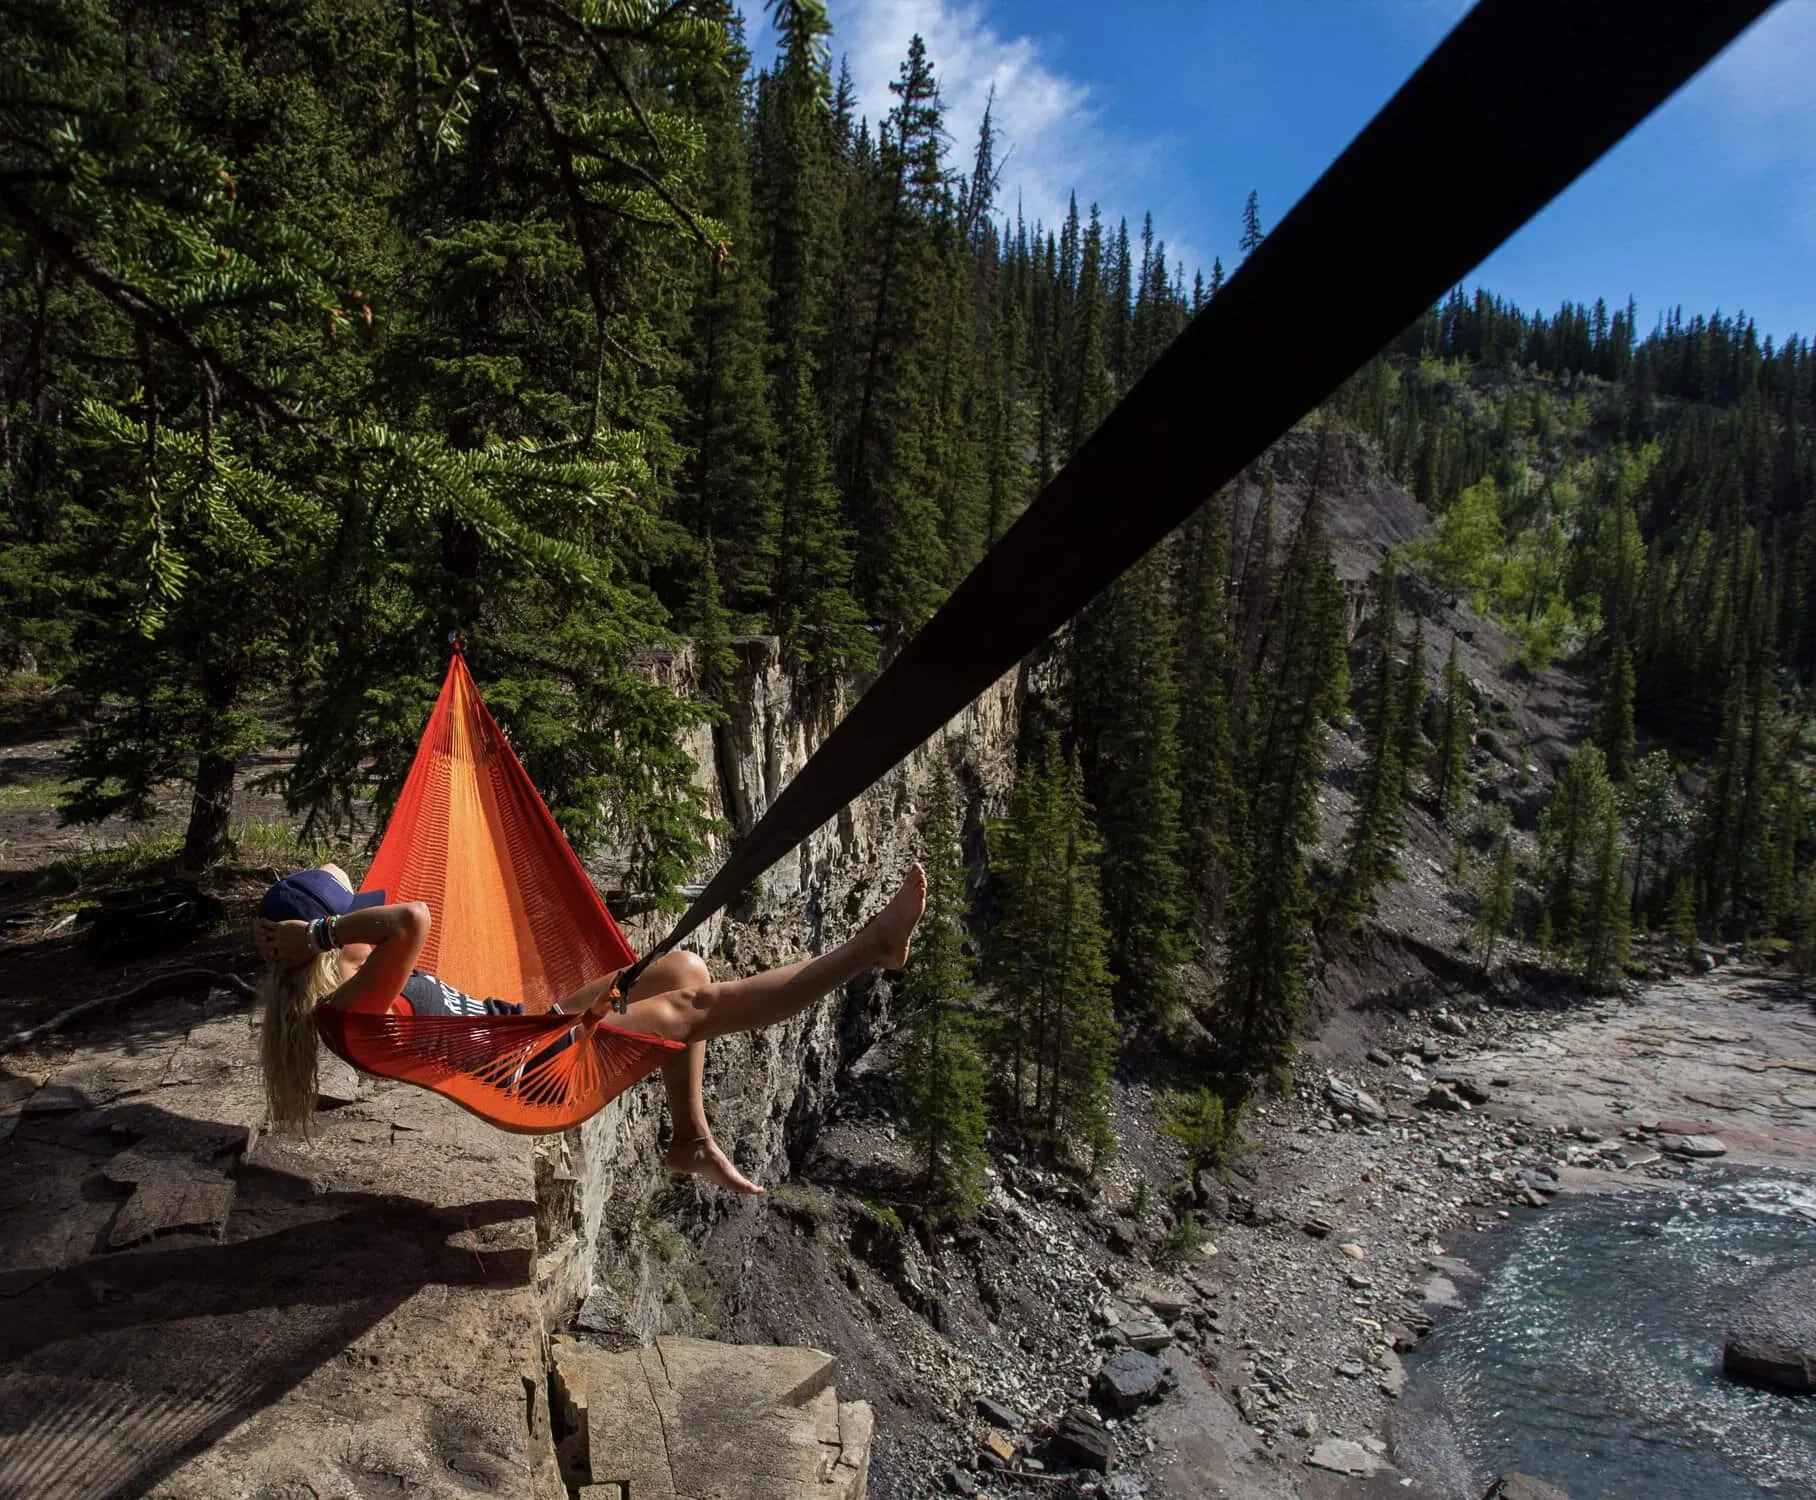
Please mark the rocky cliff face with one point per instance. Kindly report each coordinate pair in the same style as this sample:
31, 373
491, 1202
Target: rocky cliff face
766, 1092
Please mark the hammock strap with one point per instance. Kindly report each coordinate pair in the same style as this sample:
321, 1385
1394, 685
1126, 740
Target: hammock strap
1519, 100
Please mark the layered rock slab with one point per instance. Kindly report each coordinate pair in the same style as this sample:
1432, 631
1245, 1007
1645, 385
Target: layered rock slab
690, 1419
193, 1310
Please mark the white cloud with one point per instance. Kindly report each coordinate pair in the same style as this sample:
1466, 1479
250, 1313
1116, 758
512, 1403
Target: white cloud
1052, 138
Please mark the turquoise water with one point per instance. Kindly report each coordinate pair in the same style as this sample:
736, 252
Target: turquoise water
1590, 1356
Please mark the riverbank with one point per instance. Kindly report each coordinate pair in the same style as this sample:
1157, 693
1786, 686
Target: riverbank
1277, 1302
1480, 1131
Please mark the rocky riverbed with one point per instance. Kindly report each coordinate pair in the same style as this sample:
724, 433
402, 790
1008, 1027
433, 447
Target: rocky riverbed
1241, 1335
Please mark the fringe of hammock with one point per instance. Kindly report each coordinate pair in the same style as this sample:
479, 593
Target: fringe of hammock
159, 982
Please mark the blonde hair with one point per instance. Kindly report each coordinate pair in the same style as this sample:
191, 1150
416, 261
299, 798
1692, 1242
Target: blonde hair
288, 1050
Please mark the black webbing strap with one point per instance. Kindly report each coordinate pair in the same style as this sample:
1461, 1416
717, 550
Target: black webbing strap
1514, 104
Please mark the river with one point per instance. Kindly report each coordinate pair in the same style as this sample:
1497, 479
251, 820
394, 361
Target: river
1590, 1353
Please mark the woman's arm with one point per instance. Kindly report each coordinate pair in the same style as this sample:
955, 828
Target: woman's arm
396, 935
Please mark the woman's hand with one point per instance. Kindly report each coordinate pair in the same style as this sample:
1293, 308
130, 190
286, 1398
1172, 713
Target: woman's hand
285, 944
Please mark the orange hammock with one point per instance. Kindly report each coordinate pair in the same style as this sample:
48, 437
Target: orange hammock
515, 918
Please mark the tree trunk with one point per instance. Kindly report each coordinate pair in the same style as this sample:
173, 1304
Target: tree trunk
209, 810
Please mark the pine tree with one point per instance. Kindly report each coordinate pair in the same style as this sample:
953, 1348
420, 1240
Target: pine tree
1574, 833
1451, 762
824, 632
1496, 909
1126, 704
821, 623
1803, 935
1056, 1034
1731, 829
727, 486
1200, 1122
1282, 766
892, 461
1090, 393
1780, 863
942, 1072
1084, 1041
714, 660
1207, 792
1605, 930
1256, 599
1614, 724
1251, 226
1683, 920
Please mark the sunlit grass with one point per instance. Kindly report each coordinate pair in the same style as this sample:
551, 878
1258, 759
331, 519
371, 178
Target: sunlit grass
105, 865
277, 844
38, 795
255, 845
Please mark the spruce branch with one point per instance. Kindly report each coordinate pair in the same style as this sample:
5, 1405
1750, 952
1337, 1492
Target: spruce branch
148, 315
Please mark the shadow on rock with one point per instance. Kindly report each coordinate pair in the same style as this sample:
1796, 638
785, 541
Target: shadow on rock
116, 1368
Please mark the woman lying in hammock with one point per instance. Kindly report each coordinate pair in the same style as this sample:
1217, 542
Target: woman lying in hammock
324, 945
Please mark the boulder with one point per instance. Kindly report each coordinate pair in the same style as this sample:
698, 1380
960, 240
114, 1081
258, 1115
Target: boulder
1341, 1456
1523, 1487
1147, 1334
1167, 1299
1465, 1087
1127, 1379
1442, 1096
1390, 1375
1692, 1145
1349, 1100
1080, 1441
1450, 1025
1772, 1340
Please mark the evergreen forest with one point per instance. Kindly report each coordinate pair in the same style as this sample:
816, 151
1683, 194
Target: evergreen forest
332, 329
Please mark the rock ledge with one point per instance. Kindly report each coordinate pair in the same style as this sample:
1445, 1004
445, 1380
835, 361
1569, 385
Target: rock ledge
1773, 1338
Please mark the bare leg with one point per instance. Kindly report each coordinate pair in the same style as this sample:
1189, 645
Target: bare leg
718, 1009
692, 1147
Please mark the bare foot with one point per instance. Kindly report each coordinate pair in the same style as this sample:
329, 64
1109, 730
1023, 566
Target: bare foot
702, 1157
892, 927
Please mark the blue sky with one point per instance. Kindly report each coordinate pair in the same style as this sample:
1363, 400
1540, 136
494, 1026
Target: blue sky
1182, 106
